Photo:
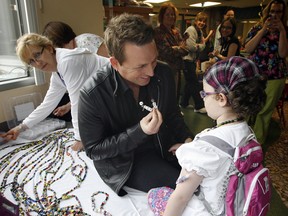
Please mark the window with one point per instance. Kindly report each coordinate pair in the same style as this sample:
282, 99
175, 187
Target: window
17, 17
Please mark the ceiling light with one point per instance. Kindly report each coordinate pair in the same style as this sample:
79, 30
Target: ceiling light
205, 4
155, 1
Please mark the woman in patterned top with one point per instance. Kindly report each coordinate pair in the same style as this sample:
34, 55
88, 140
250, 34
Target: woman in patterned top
169, 41
268, 47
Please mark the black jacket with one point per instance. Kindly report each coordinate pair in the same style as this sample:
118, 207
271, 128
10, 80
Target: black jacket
109, 119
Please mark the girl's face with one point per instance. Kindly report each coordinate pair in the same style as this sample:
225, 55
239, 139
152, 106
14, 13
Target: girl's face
210, 101
169, 17
226, 29
200, 23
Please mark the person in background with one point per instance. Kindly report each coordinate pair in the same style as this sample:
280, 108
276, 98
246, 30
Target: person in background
229, 13
128, 113
195, 43
229, 86
70, 69
230, 45
63, 36
204, 55
170, 44
267, 46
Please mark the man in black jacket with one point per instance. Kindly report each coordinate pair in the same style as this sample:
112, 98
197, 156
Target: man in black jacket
128, 115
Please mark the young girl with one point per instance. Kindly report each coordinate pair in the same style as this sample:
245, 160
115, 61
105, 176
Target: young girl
232, 90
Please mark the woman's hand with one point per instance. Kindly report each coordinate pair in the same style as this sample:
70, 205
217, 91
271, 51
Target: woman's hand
62, 110
13, 133
273, 23
77, 146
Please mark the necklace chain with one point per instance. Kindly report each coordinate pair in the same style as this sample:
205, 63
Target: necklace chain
229, 121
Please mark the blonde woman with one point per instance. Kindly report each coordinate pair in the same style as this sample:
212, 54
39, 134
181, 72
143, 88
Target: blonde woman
69, 68
195, 44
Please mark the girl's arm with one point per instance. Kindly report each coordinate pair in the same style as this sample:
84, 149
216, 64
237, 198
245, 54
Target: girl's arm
211, 32
183, 193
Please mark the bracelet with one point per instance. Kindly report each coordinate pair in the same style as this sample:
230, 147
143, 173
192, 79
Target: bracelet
21, 128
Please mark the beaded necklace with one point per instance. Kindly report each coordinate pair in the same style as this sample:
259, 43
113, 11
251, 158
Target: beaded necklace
229, 121
39, 162
101, 208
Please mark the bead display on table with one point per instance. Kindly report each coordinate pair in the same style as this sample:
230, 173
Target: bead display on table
38, 163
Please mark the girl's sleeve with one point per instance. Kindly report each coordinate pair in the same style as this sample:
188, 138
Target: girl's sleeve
201, 157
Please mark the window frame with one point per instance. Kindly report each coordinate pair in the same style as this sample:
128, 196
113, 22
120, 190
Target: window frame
27, 16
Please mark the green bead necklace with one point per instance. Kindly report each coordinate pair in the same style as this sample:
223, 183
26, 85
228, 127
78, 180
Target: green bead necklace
229, 121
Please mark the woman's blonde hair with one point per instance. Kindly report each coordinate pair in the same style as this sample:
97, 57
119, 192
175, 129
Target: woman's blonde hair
201, 16
30, 40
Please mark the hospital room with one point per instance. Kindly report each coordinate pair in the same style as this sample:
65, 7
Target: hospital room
143, 107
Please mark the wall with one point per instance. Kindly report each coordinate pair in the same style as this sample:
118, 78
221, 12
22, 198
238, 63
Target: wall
83, 16
6, 95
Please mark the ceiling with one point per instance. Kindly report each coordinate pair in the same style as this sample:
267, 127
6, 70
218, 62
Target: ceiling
228, 3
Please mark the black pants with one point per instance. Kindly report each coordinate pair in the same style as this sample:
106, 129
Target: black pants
150, 170
192, 86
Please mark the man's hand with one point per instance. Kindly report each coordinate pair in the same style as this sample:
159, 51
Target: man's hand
151, 123
177, 145
174, 148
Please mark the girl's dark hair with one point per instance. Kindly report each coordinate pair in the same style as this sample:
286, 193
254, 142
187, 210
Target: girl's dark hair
59, 33
233, 23
248, 97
